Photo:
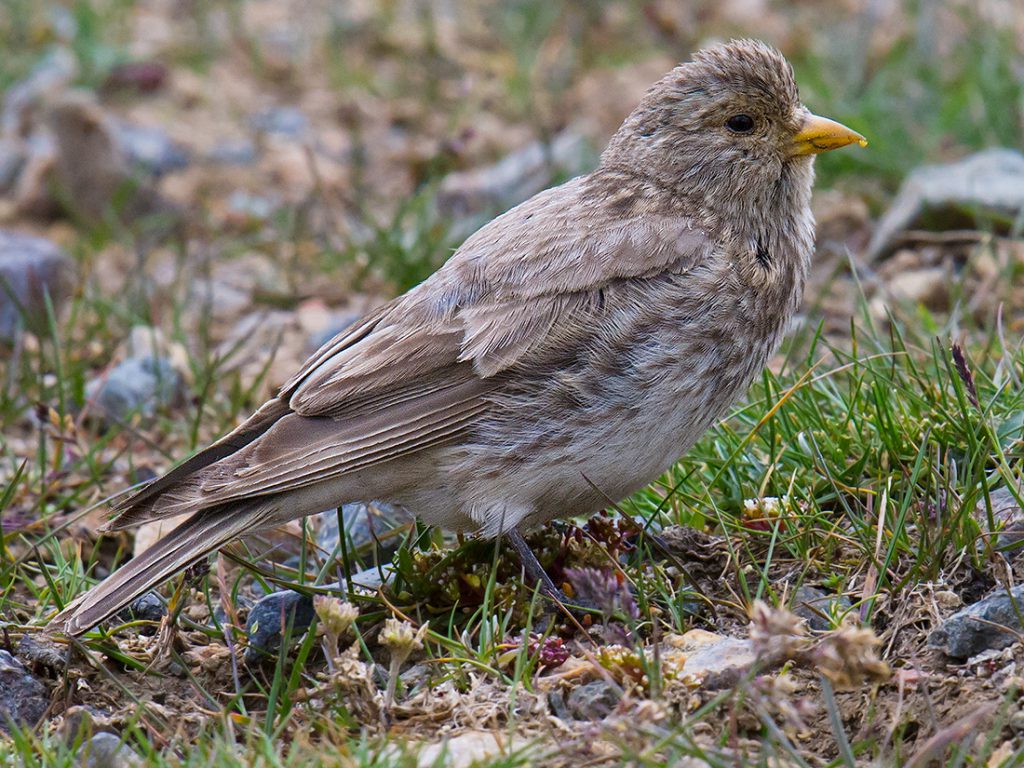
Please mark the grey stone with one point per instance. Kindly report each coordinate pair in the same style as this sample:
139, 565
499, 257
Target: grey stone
988, 184
41, 652
818, 607
465, 195
362, 522
140, 385
23, 698
283, 121
233, 152
245, 205
268, 618
593, 701
332, 329
979, 626
264, 627
13, 157
53, 73
106, 750
149, 607
1009, 520
150, 149
31, 269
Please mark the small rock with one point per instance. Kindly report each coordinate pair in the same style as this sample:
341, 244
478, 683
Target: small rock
136, 385
363, 523
283, 121
512, 179
140, 76
928, 287
978, 627
270, 615
23, 99
818, 607
31, 268
715, 660
333, 327
106, 750
150, 149
1009, 520
233, 152
246, 209
594, 701
40, 652
149, 607
988, 184
23, 699
13, 157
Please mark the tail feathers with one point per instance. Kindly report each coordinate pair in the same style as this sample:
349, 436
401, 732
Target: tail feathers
201, 534
147, 504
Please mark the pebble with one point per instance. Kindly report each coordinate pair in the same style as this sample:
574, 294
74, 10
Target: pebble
977, 627
819, 608
282, 121
593, 701
264, 626
54, 72
13, 157
23, 698
989, 183
135, 386
148, 607
106, 750
31, 268
233, 152
361, 521
150, 149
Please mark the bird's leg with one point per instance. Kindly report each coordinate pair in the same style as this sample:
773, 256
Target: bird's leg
533, 567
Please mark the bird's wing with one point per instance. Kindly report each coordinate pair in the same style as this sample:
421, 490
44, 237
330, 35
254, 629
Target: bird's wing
526, 290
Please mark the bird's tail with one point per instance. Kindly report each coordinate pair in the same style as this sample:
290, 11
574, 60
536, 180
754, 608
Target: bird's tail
201, 534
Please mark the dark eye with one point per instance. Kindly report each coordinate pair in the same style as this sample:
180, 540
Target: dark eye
740, 123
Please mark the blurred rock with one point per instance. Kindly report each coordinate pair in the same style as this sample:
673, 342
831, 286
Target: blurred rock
150, 149
1009, 520
594, 701
23, 698
988, 184
145, 341
282, 121
93, 172
980, 626
140, 76
363, 523
106, 750
928, 287
31, 268
13, 157
715, 660
245, 210
818, 607
514, 178
233, 152
23, 100
138, 385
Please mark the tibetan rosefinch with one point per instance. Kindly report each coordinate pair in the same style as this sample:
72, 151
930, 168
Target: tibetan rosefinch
585, 338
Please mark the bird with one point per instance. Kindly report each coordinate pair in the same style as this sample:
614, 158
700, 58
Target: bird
568, 353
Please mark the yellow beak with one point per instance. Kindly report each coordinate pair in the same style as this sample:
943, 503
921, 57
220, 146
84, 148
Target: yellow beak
819, 134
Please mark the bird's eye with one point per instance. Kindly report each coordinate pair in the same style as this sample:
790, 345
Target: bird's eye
740, 123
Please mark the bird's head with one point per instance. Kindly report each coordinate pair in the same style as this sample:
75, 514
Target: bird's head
727, 125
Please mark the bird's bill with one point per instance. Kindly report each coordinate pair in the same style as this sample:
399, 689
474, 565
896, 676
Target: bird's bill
819, 134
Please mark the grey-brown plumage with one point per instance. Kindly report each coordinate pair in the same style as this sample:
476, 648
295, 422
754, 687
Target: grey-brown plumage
588, 336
